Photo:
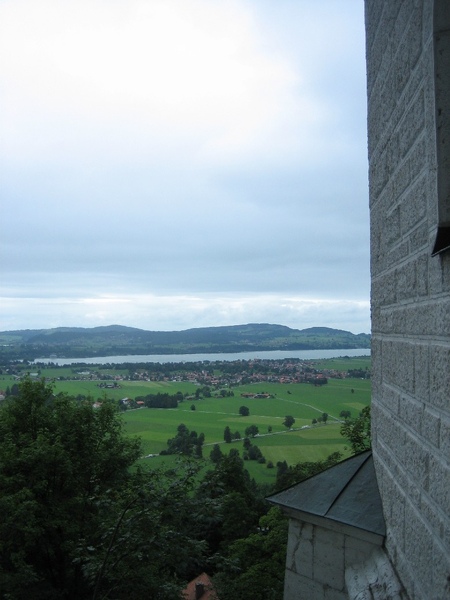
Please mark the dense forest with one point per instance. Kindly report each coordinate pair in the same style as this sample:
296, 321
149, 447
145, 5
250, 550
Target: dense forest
81, 520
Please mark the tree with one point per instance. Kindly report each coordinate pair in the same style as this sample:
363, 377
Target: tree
288, 421
227, 435
216, 453
357, 431
254, 453
251, 431
192, 406
256, 563
244, 411
77, 522
227, 502
324, 417
185, 442
345, 414
289, 475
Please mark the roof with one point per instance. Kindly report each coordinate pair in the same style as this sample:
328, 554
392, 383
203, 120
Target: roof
346, 493
192, 592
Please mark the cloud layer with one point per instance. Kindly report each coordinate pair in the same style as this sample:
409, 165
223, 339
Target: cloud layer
179, 163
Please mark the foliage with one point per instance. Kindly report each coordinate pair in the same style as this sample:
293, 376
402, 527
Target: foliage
228, 503
254, 453
322, 419
216, 454
288, 421
185, 442
255, 565
251, 431
244, 411
357, 431
76, 522
80, 520
160, 400
227, 435
290, 475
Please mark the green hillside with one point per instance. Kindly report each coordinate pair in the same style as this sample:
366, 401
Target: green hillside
117, 339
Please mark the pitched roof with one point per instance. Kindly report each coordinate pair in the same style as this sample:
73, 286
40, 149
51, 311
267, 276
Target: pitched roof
193, 592
346, 493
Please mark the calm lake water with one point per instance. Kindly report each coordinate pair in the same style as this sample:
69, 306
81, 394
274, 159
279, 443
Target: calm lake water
175, 358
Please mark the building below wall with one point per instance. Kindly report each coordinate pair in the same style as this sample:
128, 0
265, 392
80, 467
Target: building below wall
336, 536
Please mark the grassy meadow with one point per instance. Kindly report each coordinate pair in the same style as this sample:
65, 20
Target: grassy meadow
305, 442
211, 415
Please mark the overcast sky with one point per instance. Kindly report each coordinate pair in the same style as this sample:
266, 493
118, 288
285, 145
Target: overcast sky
168, 164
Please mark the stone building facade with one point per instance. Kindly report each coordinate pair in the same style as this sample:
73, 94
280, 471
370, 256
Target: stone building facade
408, 77
408, 90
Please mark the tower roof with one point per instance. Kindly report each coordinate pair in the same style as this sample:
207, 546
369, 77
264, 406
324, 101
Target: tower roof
346, 493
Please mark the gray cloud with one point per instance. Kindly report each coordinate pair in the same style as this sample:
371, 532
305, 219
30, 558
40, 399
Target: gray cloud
213, 193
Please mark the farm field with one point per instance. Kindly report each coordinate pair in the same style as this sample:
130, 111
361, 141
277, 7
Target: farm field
305, 402
212, 415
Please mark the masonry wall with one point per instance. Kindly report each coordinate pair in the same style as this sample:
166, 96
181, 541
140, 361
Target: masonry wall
318, 559
410, 294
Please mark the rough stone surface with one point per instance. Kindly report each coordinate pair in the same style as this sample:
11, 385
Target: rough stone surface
374, 579
318, 559
408, 76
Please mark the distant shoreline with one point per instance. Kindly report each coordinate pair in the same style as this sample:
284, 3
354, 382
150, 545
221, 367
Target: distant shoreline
212, 357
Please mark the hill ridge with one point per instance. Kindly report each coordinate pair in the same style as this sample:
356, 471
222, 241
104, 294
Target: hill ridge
109, 340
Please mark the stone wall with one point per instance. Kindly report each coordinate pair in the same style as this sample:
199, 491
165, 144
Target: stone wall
410, 289
319, 557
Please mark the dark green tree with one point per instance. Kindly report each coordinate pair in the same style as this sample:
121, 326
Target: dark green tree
251, 431
185, 442
357, 431
254, 453
216, 454
244, 411
227, 435
76, 522
228, 504
289, 475
255, 565
288, 421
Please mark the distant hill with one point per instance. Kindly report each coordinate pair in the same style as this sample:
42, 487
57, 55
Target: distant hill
111, 340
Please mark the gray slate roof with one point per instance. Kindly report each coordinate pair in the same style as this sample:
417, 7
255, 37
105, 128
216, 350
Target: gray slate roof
346, 493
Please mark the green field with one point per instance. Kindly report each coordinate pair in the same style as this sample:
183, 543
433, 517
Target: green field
211, 415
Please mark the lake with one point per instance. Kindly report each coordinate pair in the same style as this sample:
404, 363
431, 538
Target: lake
177, 358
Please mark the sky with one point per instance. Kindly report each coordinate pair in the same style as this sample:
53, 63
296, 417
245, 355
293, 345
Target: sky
169, 164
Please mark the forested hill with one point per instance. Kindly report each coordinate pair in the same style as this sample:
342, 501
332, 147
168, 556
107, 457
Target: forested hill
117, 339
